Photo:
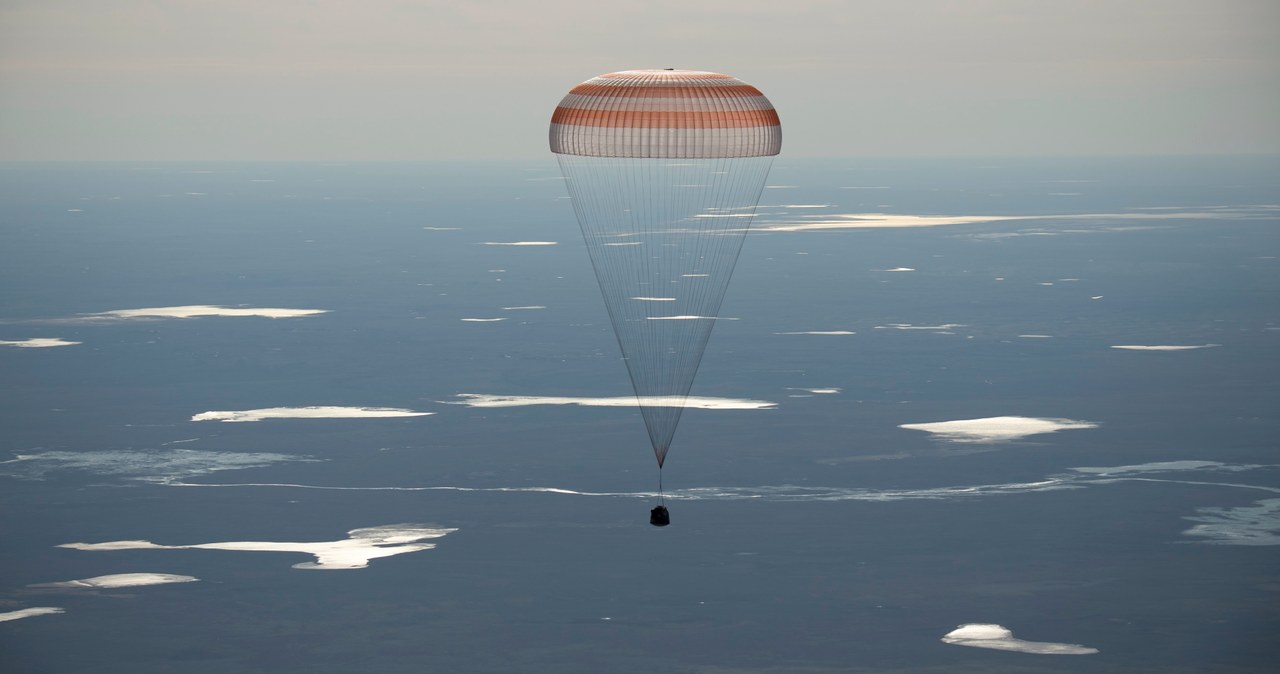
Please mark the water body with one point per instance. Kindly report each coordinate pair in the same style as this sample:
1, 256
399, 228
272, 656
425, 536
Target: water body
1017, 441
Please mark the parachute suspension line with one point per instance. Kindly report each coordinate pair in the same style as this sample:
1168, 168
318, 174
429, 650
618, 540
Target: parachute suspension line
664, 236
662, 497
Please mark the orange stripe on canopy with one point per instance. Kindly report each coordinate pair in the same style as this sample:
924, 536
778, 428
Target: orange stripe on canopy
648, 119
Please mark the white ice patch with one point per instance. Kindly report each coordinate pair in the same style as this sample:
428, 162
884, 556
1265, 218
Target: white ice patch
817, 332
354, 552
146, 465
689, 318
318, 412
1078, 479
1258, 524
201, 310
908, 326
482, 320
981, 635
692, 402
528, 308
1142, 347
654, 299
37, 342
996, 429
880, 221
122, 580
521, 243
779, 493
1165, 467
894, 220
29, 612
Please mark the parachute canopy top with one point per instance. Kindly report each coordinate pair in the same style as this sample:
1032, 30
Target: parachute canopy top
672, 114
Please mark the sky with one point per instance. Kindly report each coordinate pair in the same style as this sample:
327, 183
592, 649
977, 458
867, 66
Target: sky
335, 80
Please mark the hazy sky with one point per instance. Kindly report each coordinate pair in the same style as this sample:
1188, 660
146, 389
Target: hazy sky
420, 79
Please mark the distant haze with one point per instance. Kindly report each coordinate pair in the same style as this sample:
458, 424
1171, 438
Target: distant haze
393, 80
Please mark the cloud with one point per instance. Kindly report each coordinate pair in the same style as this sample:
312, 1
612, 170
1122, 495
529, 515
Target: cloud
839, 221
29, 612
895, 269
160, 465
689, 318
772, 493
1138, 347
878, 221
38, 342
691, 402
1255, 525
482, 320
996, 429
316, 412
121, 580
353, 552
530, 307
1258, 524
203, 310
794, 493
521, 243
907, 326
980, 635
1167, 466
817, 332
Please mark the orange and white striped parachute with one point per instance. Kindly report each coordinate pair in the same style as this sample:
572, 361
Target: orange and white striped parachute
671, 114
664, 169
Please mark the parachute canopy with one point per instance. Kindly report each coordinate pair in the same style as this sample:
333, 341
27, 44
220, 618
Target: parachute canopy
678, 114
664, 169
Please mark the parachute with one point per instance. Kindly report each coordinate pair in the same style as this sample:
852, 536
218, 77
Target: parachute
664, 169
